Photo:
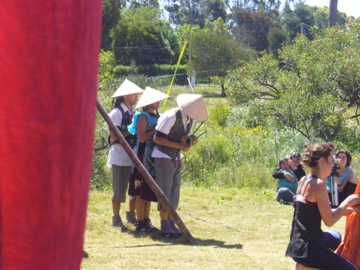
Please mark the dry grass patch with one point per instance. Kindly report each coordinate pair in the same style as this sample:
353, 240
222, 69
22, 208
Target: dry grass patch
233, 229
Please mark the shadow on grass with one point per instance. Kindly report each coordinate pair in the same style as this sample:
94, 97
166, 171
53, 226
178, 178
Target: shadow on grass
163, 241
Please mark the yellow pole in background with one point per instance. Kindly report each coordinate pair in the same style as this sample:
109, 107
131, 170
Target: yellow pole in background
173, 78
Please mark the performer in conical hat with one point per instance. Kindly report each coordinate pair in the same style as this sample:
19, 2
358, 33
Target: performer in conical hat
119, 161
143, 126
172, 126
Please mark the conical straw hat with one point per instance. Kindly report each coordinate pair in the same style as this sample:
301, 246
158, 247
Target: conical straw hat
127, 88
150, 96
193, 105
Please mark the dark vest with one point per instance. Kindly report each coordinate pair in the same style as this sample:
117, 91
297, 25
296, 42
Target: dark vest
306, 226
126, 120
177, 131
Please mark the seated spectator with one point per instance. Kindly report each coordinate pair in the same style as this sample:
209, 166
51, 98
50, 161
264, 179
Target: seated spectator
295, 165
345, 177
287, 185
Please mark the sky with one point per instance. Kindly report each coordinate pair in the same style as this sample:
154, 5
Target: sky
350, 7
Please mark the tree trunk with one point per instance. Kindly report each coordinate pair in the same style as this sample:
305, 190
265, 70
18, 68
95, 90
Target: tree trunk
223, 94
333, 13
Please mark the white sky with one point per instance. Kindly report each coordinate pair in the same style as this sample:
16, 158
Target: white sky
350, 7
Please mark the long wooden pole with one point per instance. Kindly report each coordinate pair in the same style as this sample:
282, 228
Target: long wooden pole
147, 177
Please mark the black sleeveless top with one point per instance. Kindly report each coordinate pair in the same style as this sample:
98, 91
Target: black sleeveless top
126, 120
306, 225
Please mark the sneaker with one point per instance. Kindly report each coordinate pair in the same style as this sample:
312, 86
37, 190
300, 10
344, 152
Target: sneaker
173, 226
167, 231
117, 222
131, 217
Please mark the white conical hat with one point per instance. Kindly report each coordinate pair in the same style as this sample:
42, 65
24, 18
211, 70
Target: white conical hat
193, 105
150, 96
127, 88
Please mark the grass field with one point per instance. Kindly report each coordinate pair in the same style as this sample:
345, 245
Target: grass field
233, 229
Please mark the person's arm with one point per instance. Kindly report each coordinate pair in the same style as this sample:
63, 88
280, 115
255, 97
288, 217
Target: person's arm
320, 196
165, 142
125, 133
342, 185
277, 174
141, 129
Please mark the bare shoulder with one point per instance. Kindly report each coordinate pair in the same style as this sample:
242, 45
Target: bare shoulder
318, 186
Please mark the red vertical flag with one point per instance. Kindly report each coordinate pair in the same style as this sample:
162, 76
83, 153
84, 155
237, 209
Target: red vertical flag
48, 81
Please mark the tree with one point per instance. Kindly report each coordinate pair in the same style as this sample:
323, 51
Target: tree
293, 20
251, 28
314, 89
276, 38
143, 38
321, 17
333, 13
110, 18
185, 12
214, 52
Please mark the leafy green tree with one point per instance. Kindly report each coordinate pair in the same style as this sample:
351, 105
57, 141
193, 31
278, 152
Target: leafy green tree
276, 39
185, 12
195, 12
214, 9
143, 38
110, 18
106, 79
144, 3
251, 28
267, 6
293, 20
306, 16
321, 17
214, 52
315, 88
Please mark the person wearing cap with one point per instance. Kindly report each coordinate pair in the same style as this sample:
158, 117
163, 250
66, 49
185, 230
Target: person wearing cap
121, 115
143, 126
172, 126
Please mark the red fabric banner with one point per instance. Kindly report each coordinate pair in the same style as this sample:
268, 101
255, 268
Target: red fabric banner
48, 81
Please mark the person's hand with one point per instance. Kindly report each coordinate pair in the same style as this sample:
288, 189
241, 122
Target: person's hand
353, 200
356, 208
186, 148
336, 180
289, 177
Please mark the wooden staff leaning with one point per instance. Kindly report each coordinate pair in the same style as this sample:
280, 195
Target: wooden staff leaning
145, 174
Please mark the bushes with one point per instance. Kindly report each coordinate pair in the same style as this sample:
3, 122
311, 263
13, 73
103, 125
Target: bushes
155, 71
234, 153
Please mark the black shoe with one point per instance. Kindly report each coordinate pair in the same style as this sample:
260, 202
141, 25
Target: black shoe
140, 226
148, 226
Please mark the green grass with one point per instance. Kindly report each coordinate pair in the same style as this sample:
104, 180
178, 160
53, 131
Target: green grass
233, 229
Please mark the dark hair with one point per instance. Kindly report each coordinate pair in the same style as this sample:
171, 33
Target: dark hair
348, 156
281, 161
296, 155
314, 152
116, 102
